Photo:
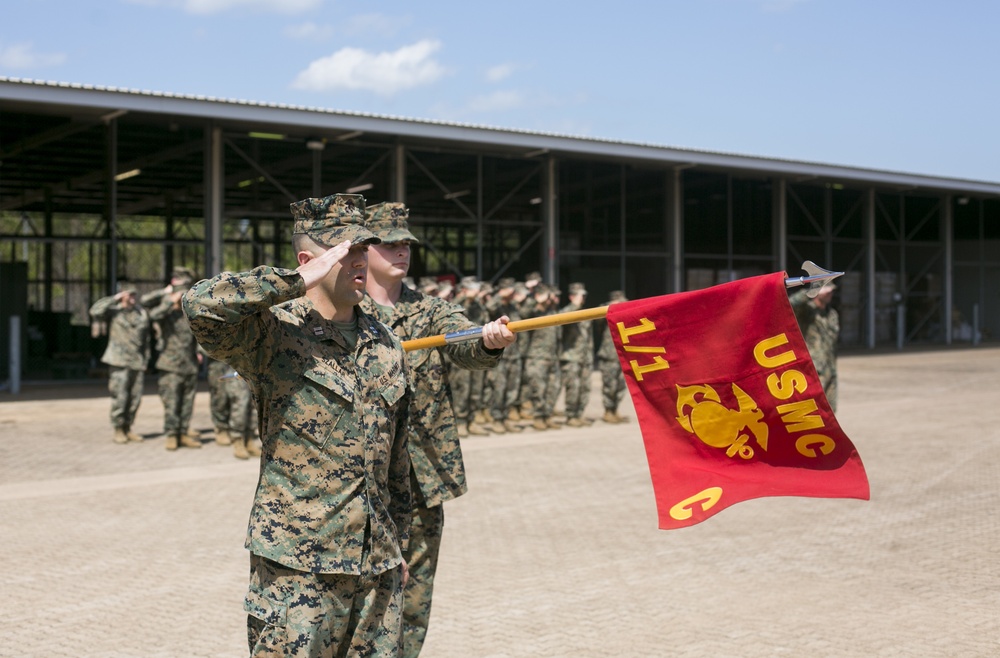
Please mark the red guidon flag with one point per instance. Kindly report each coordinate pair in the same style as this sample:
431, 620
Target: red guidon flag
728, 400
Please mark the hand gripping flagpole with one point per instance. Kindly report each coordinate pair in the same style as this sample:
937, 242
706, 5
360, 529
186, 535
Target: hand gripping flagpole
816, 277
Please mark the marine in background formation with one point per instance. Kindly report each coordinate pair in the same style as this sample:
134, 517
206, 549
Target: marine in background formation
613, 384
127, 356
178, 361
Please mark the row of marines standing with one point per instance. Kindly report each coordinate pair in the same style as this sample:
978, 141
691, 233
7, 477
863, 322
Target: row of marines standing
525, 385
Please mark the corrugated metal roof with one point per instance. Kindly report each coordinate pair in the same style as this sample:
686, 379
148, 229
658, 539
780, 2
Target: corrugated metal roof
210, 107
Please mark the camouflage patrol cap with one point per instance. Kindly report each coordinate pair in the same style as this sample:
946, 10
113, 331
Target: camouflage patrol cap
388, 221
617, 296
427, 282
577, 289
506, 282
469, 283
128, 288
332, 219
533, 276
520, 288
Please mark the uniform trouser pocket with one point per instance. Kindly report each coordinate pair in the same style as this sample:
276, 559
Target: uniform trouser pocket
266, 617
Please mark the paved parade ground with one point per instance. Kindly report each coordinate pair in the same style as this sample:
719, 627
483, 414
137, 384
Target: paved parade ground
130, 550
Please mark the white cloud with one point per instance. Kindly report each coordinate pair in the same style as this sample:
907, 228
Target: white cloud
499, 72
308, 32
216, 6
384, 73
22, 56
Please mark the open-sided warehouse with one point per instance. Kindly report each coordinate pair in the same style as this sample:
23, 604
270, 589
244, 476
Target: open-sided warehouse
100, 184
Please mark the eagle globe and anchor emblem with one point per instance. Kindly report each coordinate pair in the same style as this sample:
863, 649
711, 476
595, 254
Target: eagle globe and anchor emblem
701, 412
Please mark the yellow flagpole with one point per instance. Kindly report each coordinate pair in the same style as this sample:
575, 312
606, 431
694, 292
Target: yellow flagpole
816, 277
569, 317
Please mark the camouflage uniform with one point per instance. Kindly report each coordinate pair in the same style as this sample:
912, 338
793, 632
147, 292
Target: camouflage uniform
438, 471
612, 378
332, 505
504, 381
613, 384
541, 365
467, 385
821, 329
127, 356
232, 407
576, 360
177, 363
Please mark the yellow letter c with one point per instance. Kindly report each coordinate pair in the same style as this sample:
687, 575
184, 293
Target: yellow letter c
708, 498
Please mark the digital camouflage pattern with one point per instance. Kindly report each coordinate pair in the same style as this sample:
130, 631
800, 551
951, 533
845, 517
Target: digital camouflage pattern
422, 555
541, 364
576, 358
388, 221
128, 333
331, 220
435, 451
504, 381
178, 365
821, 329
467, 385
127, 356
613, 384
438, 471
179, 351
230, 401
292, 613
333, 493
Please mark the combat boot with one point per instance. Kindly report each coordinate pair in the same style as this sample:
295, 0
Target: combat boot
621, 419
575, 422
191, 435
513, 414
172, 441
461, 427
252, 448
188, 441
540, 425
496, 427
222, 436
511, 426
475, 429
132, 436
553, 424
120, 436
610, 417
526, 407
240, 447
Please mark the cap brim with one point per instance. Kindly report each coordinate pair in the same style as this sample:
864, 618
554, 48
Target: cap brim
397, 235
353, 232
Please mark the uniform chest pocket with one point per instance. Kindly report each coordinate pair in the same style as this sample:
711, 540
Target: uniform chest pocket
322, 407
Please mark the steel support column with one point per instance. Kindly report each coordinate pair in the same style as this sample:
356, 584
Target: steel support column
213, 200
870, 268
397, 189
779, 218
675, 228
947, 229
112, 204
550, 225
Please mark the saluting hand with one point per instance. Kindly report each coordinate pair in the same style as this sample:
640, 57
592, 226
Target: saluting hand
315, 268
496, 335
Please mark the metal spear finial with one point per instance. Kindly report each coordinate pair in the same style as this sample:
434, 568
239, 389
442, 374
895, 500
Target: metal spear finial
816, 277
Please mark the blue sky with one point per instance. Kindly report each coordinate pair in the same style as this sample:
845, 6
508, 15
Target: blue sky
906, 86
